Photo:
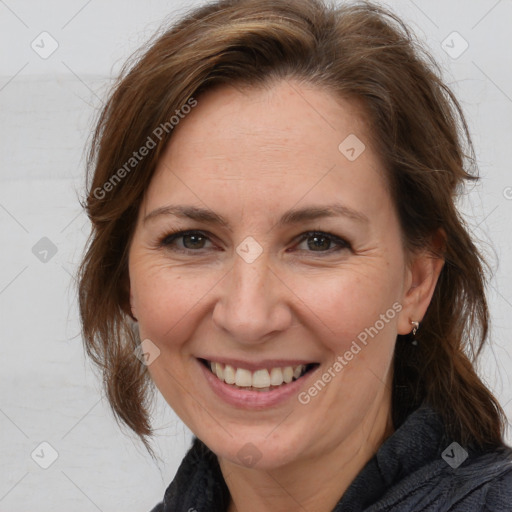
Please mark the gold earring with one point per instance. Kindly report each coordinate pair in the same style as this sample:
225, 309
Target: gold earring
416, 326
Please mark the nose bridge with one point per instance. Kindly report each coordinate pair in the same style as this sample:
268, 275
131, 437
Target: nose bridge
250, 280
252, 302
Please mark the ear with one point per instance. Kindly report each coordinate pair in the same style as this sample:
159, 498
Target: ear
421, 276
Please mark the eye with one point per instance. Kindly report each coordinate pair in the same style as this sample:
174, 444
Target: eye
194, 241
319, 241
190, 241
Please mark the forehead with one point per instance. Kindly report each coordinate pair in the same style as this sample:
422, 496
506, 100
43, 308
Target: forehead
279, 143
284, 119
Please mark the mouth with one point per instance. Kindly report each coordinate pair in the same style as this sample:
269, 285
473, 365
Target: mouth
260, 380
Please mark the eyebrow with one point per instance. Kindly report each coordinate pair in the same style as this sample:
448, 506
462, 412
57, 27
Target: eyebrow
293, 216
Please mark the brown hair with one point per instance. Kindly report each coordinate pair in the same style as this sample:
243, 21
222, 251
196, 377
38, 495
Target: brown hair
360, 52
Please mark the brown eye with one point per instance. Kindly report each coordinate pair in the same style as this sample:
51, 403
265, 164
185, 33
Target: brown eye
316, 242
190, 241
322, 242
193, 241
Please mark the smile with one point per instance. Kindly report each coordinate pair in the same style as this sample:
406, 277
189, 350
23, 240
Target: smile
264, 379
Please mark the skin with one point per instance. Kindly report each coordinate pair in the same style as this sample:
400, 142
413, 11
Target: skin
250, 155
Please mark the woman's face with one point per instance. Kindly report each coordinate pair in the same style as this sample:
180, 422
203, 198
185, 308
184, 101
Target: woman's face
250, 173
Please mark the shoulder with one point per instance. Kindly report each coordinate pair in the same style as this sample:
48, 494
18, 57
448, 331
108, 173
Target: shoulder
499, 492
483, 483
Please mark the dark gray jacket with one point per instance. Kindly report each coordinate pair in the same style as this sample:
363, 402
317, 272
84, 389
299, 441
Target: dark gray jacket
417, 469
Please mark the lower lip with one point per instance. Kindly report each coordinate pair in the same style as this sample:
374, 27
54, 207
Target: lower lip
254, 400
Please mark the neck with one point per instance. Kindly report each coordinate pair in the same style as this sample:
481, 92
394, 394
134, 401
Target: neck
312, 483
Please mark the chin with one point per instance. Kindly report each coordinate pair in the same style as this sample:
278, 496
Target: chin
255, 448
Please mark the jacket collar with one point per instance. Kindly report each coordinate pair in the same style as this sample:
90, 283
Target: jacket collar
199, 485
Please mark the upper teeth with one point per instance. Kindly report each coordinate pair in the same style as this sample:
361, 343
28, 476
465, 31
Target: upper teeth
260, 378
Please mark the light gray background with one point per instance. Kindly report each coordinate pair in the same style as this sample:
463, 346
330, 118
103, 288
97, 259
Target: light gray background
48, 391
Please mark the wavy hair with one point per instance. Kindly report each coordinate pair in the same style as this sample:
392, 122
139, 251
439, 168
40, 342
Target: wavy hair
358, 51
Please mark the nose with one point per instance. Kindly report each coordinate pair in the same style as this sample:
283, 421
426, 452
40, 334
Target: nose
254, 302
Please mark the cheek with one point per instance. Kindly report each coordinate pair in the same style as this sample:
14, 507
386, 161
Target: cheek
348, 305
336, 305
167, 299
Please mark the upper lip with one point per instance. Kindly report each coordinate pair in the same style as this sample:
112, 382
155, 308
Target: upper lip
258, 365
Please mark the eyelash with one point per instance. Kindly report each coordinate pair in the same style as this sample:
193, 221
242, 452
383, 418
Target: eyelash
173, 235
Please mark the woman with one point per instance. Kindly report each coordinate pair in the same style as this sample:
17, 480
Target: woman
276, 247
